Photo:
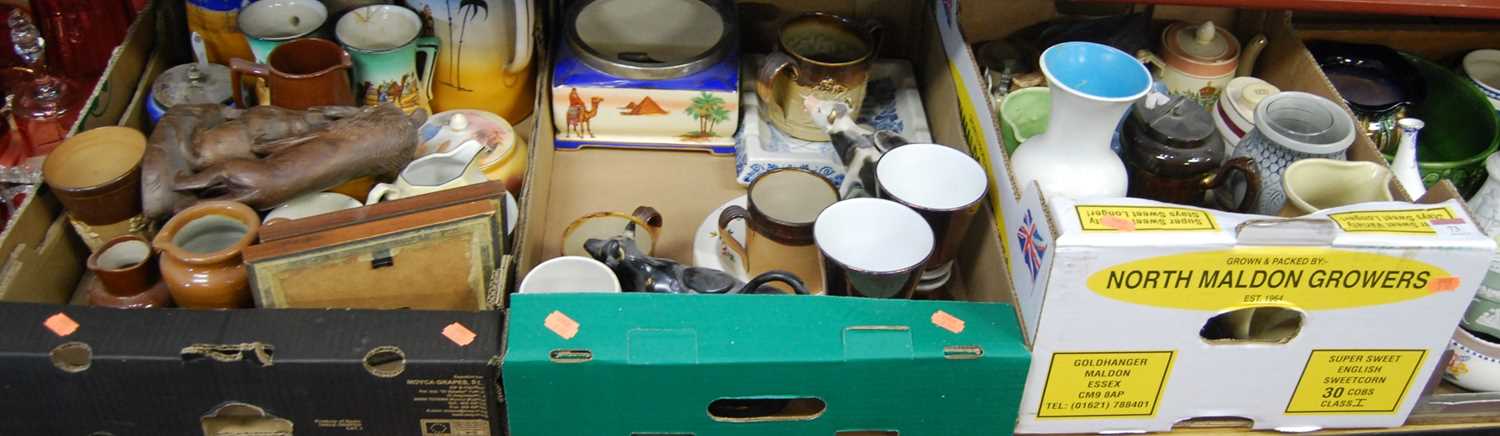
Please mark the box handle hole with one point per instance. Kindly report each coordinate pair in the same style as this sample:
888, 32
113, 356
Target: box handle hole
962, 352
385, 361
867, 433
72, 357
766, 409
571, 356
1253, 325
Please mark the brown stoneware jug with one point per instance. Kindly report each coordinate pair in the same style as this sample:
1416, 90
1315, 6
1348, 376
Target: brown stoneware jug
300, 74
128, 276
200, 254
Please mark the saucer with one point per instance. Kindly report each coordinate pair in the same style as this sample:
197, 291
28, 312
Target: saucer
710, 252
512, 213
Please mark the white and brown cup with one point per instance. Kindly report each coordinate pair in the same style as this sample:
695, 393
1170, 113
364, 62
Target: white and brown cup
644, 222
872, 248
781, 208
943, 185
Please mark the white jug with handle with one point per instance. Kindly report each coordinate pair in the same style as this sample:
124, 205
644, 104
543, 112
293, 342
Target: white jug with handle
432, 173
484, 58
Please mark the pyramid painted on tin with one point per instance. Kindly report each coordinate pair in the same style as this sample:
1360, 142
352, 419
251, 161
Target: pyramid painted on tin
646, 106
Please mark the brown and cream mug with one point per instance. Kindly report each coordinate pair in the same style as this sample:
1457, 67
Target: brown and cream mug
781, 207
644, 222
97, 177
823, 56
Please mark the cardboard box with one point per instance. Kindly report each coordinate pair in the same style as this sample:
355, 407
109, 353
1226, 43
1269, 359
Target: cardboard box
819, 365
1117, 295
732, 334
84, 370
178, 371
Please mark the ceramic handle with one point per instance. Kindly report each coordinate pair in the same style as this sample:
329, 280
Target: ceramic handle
521, 55
731, 213
790, 279
1246, 167
239, 67
648, 215
379, 192
1148, 57
428, 46
876, 32
765, 81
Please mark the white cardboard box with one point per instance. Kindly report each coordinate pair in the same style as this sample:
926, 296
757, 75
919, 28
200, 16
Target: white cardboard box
1113, 297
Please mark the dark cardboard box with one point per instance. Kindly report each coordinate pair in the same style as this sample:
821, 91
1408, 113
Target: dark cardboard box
81, 370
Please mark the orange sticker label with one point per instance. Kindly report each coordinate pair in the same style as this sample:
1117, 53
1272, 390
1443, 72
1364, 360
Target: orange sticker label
561, 324
947, 321
1121, 224
1443, 284
459, 334
60, 324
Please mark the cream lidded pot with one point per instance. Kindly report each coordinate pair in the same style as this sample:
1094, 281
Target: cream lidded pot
1197, 61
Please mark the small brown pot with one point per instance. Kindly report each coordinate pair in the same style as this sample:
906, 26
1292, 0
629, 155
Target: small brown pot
127, 275
200, 254
97, 175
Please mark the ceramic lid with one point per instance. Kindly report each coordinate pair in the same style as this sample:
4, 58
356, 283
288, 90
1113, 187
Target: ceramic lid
650, 39
1243, 93
446, 130
1202, 50
192, 84
1175, 120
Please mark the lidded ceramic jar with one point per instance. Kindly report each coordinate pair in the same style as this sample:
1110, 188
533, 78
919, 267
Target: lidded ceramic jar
1234, 111
1197, 61
195, 83
200, 254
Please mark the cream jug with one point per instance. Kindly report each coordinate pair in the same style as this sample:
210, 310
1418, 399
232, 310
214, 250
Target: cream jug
432, 173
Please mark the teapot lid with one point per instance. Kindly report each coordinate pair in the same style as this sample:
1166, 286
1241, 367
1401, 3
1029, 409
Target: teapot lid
1204, 43
1174, 120
192, 83
1244, 93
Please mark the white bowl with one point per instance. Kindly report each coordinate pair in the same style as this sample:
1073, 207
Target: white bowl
1475, 364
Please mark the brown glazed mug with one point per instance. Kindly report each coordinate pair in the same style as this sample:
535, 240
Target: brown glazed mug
826, 57
301, 74
1176, 154
128, 275
97, 174
944, 186
872, 248
782, 206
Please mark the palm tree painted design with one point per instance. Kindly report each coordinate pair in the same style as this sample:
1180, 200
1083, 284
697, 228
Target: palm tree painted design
469, 9
709, 110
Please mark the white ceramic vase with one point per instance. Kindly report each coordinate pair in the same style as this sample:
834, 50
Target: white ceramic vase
1405, 164
1092, 86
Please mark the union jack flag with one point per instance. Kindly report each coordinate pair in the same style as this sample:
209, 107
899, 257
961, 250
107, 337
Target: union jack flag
1033, 247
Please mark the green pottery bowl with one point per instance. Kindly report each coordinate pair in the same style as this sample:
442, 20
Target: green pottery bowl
1461, 129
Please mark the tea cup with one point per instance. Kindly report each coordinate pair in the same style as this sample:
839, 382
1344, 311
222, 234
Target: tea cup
781, 207
872, 248
944, 186
1316, 184
569, 274
643, 225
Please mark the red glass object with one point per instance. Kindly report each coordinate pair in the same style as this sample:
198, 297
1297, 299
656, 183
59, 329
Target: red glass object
81, 34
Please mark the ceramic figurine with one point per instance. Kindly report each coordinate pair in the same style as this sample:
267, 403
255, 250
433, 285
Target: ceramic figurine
641, 273
484, 57
669, 80
857, 147
127, 275
1405, 165
200, 254
376, 141
1198, 61
1092, 87
236, 138
1288, 126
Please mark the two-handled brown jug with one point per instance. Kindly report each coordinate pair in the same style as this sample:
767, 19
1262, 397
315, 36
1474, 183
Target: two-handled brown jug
300, 74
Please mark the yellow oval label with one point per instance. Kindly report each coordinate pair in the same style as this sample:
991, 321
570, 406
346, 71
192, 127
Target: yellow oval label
1308, 278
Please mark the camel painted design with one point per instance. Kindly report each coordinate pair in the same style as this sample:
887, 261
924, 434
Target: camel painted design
579, 116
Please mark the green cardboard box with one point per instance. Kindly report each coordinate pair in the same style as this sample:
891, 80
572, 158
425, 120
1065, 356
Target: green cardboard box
655, 364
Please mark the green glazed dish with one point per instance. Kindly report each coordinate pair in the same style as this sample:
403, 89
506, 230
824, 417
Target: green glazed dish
1461, 129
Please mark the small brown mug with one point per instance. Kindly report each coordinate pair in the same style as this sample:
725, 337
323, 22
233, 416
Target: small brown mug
97, 175
828, 57
782, 206
301, 74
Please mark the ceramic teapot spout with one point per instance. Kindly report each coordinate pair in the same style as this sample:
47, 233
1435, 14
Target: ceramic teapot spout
1250, 54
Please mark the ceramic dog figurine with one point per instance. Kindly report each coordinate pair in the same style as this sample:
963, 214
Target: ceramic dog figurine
642, 273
